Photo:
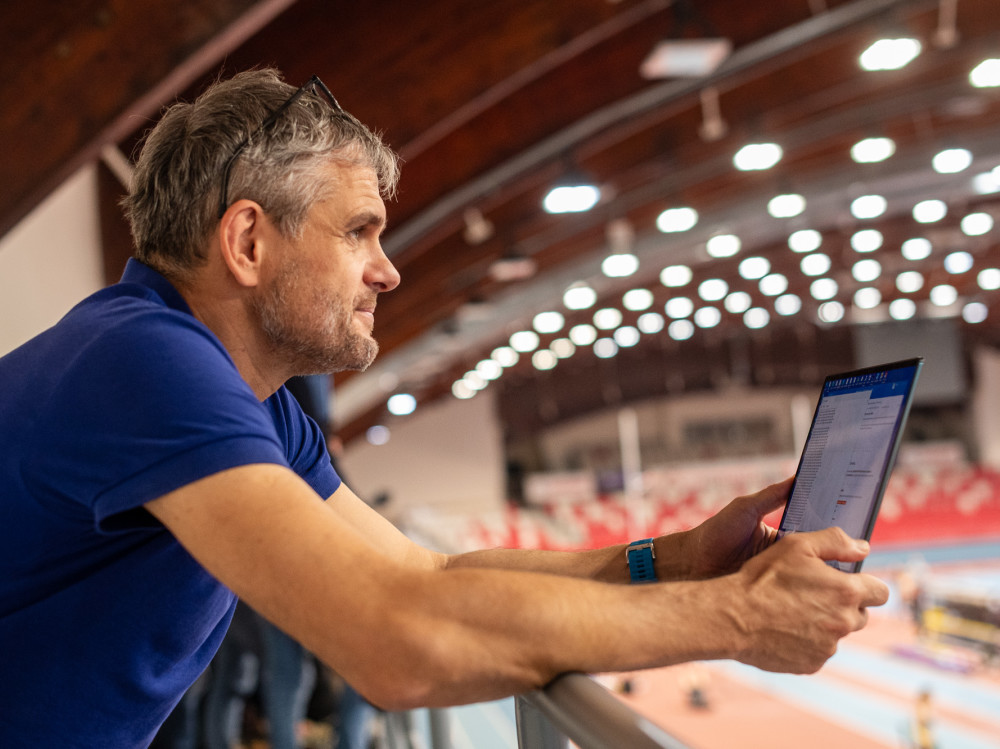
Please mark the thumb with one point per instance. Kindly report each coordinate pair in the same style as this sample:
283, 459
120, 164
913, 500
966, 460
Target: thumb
833, 544
770, 498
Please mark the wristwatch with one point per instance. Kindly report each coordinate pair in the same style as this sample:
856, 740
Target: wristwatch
640, 556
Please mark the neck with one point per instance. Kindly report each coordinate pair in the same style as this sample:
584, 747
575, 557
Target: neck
223, 309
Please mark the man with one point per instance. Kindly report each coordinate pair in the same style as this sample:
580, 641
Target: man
153, 466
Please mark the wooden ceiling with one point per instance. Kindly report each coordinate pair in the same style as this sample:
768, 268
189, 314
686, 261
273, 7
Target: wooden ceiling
491, 103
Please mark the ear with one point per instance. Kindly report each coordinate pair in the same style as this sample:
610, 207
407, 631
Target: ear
242, 241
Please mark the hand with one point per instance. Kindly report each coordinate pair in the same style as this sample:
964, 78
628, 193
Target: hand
795, 608
726, 540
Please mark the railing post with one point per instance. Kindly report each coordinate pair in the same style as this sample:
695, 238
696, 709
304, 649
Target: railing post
593, 718
440, 729
534, 730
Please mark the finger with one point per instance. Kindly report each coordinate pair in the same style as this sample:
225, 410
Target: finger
833, 544
874, 592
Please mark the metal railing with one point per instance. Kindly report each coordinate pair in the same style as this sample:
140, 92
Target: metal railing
575, 707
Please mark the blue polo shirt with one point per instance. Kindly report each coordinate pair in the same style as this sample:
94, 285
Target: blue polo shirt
105, 620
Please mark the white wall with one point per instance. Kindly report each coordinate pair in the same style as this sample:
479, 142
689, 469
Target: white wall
50, 261
448, 455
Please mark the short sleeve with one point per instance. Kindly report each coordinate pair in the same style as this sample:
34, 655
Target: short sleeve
144, 409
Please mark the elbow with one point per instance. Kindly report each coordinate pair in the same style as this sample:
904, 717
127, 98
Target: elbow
434, 670
397, 689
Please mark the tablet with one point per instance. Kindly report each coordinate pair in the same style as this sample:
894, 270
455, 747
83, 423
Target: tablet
850, 451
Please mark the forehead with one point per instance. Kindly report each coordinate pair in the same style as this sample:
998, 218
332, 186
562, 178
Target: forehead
351, 188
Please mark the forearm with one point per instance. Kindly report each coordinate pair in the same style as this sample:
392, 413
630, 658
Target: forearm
478, 634
606, 564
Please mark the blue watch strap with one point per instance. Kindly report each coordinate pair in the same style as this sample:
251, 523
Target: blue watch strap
640, 556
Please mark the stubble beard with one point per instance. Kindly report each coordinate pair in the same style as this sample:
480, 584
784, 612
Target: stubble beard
311, 329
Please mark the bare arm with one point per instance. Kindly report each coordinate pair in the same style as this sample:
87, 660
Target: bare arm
718, 546
407, 631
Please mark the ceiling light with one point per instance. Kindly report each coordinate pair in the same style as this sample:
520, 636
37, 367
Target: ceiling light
685, 58
605, 348
867, 297
650, 322
674, 220
815, 265
544, 359
579, 296
786, 206
752, 268
975, 312
773, 284
873, 150
958, 262
620, 265
757, 156
563, 347
626, 336
917, 248
866, 240
944, 295
462, 391
377, 435
952, 161
548, 322
680, 330
402, 404
910, 281
977, 224
505, 356
524, 341
512, 268
738, 302
707, 317
583, 335
474, 381
620, 235
712, 127
986, 74
756, 318
571, 198
868, 206
823, 288
637, 300
678, 307
989, 279
805, 240
830, 312
723, 245
929, 211
675, 275
478, 228
986, 183
890, 54
607, 318
489, 369
713, 289
902, 309
865, 271
787, 304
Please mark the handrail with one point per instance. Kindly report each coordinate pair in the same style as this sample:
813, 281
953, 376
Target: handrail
589, 715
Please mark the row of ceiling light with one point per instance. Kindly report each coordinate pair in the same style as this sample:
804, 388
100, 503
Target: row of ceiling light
681, 317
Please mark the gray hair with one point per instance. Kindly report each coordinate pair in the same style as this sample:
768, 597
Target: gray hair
173, 204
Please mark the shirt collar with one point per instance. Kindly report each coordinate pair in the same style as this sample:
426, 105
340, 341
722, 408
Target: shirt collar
138, 272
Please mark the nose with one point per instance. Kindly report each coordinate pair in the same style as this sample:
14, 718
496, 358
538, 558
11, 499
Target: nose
382, 274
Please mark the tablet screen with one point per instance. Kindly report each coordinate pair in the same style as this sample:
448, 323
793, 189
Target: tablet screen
850, 450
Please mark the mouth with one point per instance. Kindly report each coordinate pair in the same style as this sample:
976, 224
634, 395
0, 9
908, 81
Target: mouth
367, 313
